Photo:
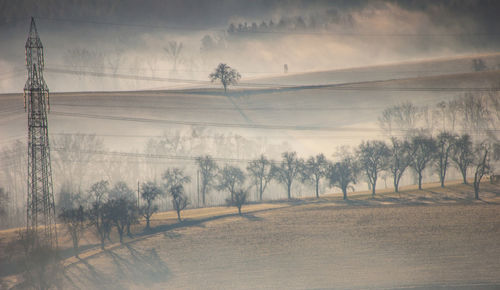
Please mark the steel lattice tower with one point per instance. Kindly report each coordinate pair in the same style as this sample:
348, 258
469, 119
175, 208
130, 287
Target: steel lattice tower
40, 212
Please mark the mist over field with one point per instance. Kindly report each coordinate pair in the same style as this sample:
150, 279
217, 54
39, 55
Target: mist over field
307, 36
355, 146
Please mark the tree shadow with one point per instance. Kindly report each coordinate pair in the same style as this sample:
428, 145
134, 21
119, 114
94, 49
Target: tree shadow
142, 268
89, 274
251, 217
69, 252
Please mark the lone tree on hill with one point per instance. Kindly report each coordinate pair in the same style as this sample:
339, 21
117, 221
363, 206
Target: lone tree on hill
226, 75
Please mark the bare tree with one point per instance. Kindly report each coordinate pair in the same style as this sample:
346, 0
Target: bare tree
179, 199
262, 173
423, 148
174, 51
74, 219
399, 160
123, 213
288, 170
131, 215
208, 171
314, 169
226, 75
74, 158
149, 193
99, 219
114, 59
445, 143
481, 163
174, 177
343, 173
475, 113
240, 198
373, 158
14, 178
462, 154
99, 191
121, 190
230, 178
453, 109
152, 64
402, 117
4, 199
479, 65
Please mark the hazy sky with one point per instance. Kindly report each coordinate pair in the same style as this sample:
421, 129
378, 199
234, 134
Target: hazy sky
484, 13
337, 34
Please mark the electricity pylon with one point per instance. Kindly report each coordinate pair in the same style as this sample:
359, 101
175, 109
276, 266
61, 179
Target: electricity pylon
40, 210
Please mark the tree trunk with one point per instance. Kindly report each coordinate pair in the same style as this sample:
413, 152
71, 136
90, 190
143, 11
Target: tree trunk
75, 247
289, 191
373, 188
464, 175
179, 215
344, 191
396, 184
203, 196
128, 230
476, 190
239, 210
147, 223
420, 180
260, 191
317, 189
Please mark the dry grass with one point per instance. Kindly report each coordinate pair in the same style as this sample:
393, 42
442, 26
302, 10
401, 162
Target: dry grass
427, 238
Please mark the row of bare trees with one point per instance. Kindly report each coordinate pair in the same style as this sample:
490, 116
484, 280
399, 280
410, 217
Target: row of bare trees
105, 208
420, 152
475, 113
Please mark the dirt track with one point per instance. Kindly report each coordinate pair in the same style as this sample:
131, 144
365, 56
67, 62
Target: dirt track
317, 245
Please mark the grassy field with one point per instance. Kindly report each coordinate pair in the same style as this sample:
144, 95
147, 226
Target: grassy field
426, 239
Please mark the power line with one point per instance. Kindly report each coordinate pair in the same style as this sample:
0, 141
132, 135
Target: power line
138, 25
351, 86
227, 108
227, 125
211, 124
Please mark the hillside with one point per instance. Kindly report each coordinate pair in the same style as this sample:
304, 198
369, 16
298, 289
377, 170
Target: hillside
401, 70
431, 238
